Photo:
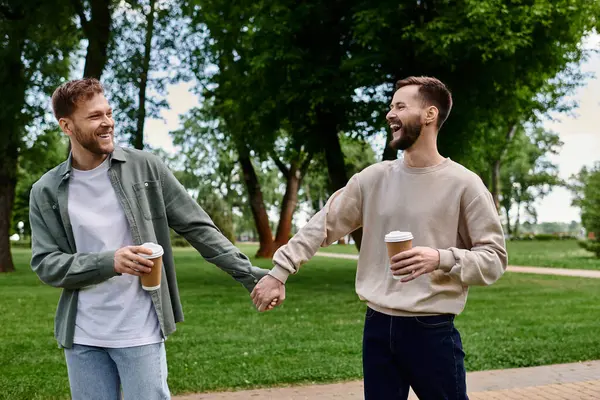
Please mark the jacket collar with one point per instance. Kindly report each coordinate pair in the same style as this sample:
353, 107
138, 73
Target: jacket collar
118, 154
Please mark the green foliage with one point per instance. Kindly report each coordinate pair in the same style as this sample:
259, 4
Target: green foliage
208, 167
219, 211
592, 246
586, 188
545, 237
178, 240
34, 57
310, 68
47, 151
527, 175
358, 155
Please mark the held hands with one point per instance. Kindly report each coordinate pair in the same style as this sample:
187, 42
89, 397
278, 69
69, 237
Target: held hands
268, 293
415, 262
127, 261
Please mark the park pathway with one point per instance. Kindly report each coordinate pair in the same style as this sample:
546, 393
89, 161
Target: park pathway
577, 381
583, 273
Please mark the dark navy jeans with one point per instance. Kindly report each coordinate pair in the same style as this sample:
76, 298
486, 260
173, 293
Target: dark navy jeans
424, 353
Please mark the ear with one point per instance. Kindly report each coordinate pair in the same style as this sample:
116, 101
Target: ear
431, 115
66, 125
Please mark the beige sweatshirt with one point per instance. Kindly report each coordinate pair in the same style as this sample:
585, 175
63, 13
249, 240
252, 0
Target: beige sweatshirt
446, 207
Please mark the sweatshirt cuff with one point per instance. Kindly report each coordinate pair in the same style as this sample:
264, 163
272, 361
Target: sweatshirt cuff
106, 264
447, 260
279, 273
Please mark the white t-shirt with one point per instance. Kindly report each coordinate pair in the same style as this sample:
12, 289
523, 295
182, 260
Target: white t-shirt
117, 312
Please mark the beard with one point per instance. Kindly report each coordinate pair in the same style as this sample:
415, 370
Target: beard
409, 134
91, 143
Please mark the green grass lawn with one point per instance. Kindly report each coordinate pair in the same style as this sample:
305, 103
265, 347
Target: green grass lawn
523, 320
554, 253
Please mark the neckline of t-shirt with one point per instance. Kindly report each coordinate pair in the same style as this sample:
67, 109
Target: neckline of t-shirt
424, 170
103, 166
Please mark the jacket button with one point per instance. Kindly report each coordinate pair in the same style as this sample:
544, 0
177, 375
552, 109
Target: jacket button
146, 184
54, 206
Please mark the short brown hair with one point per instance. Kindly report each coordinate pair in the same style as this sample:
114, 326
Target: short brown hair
433, 93
67, 95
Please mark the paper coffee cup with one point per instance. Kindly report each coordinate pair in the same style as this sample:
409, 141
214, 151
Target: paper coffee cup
397, 242
151, 281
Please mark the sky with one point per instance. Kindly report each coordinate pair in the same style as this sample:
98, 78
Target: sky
580, 132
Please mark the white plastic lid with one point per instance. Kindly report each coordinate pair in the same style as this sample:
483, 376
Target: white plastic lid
157, 250
397, 236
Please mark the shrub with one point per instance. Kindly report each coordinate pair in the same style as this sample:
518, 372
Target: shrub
591, 246
545, 237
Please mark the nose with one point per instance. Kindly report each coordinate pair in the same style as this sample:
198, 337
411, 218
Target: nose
107, 121
390, 116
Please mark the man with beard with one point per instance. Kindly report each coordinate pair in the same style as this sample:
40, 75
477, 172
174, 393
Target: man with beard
89, 217
409, 335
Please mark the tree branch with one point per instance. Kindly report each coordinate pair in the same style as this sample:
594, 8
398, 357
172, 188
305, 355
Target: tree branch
79, 10
284, 170
509, 137
306, 163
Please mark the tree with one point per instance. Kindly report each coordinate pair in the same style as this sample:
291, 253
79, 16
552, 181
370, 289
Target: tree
225, 161
279, 61
586, 189
528, 174
148, 36
97, 30
506, 62
34, 55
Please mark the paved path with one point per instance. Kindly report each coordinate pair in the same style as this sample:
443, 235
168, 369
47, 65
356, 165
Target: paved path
578, 381
583, 273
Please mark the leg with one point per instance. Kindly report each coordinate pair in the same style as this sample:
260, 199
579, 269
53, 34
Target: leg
383, 377
436, 359
92, 374
143, 371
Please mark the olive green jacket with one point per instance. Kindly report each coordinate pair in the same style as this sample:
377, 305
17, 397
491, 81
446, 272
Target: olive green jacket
153, 200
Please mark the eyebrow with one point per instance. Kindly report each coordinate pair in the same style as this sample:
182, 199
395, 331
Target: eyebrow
398, 103
96, 112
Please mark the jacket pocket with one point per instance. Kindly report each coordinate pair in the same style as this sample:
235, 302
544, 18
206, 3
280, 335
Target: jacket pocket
51, 216
150, 199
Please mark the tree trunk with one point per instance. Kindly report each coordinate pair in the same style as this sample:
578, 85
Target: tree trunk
334, 157
496, 166
257, 205
12, 81
8, 182
138, 141
288, 206
508, 225
518, 220
495, 190
97, 32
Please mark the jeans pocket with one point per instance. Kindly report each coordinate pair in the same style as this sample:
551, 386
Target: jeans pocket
370, 313
435, 321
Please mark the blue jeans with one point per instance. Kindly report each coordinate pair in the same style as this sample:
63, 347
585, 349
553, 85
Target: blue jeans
424, 353
97, 373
